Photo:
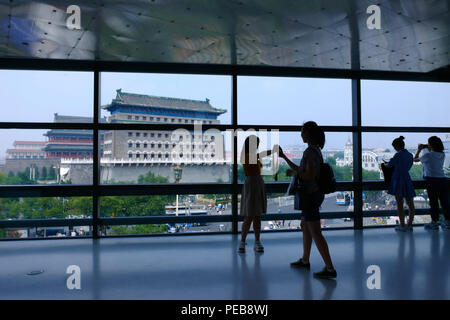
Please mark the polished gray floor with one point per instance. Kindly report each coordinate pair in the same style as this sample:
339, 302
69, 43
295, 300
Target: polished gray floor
413, 266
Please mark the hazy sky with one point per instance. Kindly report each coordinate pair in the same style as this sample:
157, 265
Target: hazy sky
37, 95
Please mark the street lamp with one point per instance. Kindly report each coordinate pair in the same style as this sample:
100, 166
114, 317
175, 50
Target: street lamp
177, 172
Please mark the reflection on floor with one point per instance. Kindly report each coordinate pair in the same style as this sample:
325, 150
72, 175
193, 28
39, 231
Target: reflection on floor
413, 266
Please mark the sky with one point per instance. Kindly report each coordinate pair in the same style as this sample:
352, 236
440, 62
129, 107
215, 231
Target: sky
37, 95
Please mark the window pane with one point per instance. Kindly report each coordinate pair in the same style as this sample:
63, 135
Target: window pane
293, 101
405, 103
273, 225
166, 205
46, 96
197, 205
377, 147
13, 209
151, 156
165, 98
340, 201
46, 156
380, 201
337, 152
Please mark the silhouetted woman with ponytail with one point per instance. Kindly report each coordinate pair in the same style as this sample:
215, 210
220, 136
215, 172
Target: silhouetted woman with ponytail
308, 174
401, 185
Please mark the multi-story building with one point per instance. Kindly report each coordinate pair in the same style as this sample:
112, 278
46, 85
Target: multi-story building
70, 143
162, 145
371, 159
26, 150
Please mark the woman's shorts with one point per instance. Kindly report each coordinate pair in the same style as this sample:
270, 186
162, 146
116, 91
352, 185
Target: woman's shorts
310, 212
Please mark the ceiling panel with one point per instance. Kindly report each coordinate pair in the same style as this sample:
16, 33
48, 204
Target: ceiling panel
414, 34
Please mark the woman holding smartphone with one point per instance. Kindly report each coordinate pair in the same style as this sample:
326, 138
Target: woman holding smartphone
308, 173
432, 159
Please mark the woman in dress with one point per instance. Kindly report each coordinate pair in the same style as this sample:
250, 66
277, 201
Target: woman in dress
253, 198
308, 173
401, 185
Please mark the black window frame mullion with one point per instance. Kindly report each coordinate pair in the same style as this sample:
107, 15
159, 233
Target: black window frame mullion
234, 122
357, 154
96, 158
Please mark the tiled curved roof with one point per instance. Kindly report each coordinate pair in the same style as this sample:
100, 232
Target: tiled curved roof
29, 142
71, 119
69, 132
68, 147
74, 119
163, 102
23, 150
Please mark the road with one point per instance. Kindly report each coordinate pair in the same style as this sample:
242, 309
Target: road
278, 205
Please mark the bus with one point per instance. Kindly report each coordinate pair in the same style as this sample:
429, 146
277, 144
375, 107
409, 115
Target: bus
343, 198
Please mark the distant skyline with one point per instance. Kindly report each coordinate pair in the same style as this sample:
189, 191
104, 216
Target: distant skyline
36, 95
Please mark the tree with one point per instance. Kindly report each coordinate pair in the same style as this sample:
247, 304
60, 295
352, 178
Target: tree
78, 206
117, 206
387, 150
137, 205
44, 173
36, 173
416, 172
339, 155
138, 229
331, 161
25, 177
37, 208
52, 173
370, 175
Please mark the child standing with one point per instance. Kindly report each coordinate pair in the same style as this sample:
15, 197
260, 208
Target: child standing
253, 198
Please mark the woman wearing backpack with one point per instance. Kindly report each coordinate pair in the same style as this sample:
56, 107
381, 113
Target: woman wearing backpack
311, 197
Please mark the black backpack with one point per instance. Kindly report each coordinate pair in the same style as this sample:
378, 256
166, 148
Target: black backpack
326, 181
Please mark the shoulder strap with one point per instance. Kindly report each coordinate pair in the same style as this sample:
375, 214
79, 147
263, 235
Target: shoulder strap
316, 148
318, 151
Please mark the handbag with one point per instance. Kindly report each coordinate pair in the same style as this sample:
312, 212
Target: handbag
387, 173
297, 190
293, 185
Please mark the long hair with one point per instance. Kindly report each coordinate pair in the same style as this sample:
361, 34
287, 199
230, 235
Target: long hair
399, 143
436, 144
250, 147
315, 133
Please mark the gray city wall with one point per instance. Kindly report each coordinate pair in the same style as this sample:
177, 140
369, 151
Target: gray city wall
82, 173
16, 165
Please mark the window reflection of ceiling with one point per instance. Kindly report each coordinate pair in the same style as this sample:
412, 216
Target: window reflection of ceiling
414, 34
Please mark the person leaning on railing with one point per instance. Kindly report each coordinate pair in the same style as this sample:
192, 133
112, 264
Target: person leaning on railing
432, 159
